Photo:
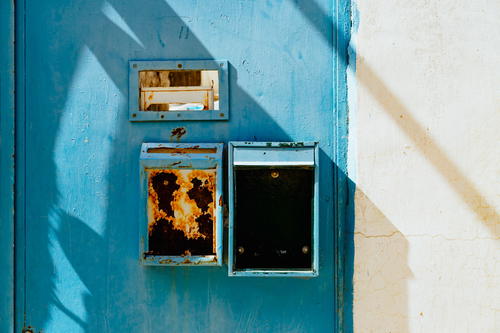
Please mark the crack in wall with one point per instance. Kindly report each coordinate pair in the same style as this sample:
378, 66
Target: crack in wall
392, 234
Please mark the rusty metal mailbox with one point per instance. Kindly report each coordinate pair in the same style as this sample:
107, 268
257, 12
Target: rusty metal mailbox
181, 185
273, 209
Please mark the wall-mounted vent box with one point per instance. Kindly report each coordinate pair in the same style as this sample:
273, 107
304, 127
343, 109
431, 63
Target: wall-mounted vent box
181, 205
177, 90
273, 209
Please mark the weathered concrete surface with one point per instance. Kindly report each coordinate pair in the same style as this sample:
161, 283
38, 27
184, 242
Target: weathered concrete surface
425, 136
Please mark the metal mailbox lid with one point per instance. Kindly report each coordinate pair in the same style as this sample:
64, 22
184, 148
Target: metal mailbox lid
182, 155
195, 173
284, 155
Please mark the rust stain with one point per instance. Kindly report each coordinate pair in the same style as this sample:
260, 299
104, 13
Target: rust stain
190, 150
181, 205
221, 202
166, 261
178, 133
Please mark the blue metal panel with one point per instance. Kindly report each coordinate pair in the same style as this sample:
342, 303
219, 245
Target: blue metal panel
7, 166
81, 159
181, 160
135, 114
266, 154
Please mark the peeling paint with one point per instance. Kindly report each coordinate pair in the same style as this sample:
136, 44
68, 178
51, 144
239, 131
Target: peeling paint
178, 133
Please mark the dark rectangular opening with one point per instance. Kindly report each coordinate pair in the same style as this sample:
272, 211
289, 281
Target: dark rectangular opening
273, 217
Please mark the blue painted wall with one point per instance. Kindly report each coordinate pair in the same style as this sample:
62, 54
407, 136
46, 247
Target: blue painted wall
78, 193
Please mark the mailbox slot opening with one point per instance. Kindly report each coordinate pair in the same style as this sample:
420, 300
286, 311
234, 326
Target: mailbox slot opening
165, 150
178, 90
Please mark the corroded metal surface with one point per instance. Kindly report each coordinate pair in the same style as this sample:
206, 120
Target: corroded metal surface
178, 133
181, 205
191, 150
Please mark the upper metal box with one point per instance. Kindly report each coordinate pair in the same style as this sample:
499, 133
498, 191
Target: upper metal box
176, 90
181, 205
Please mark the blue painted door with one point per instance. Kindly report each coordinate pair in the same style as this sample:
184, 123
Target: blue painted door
78, 208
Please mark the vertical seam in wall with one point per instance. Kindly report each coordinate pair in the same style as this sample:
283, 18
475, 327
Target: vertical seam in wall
338, 279
352, 93
351, 163
7, 91
20, 163
343, 187
25, 305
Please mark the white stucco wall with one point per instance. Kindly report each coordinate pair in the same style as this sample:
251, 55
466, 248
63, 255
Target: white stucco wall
425, 148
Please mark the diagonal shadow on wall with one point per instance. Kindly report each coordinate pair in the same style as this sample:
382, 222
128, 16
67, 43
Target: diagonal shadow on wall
403, 117
57, 228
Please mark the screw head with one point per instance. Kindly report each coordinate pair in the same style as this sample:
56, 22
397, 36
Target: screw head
305, 249
241, 249
275, 174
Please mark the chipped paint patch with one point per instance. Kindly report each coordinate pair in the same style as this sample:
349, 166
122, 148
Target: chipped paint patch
178, 133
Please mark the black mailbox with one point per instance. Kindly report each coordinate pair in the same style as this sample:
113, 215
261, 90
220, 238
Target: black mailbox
273, 226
